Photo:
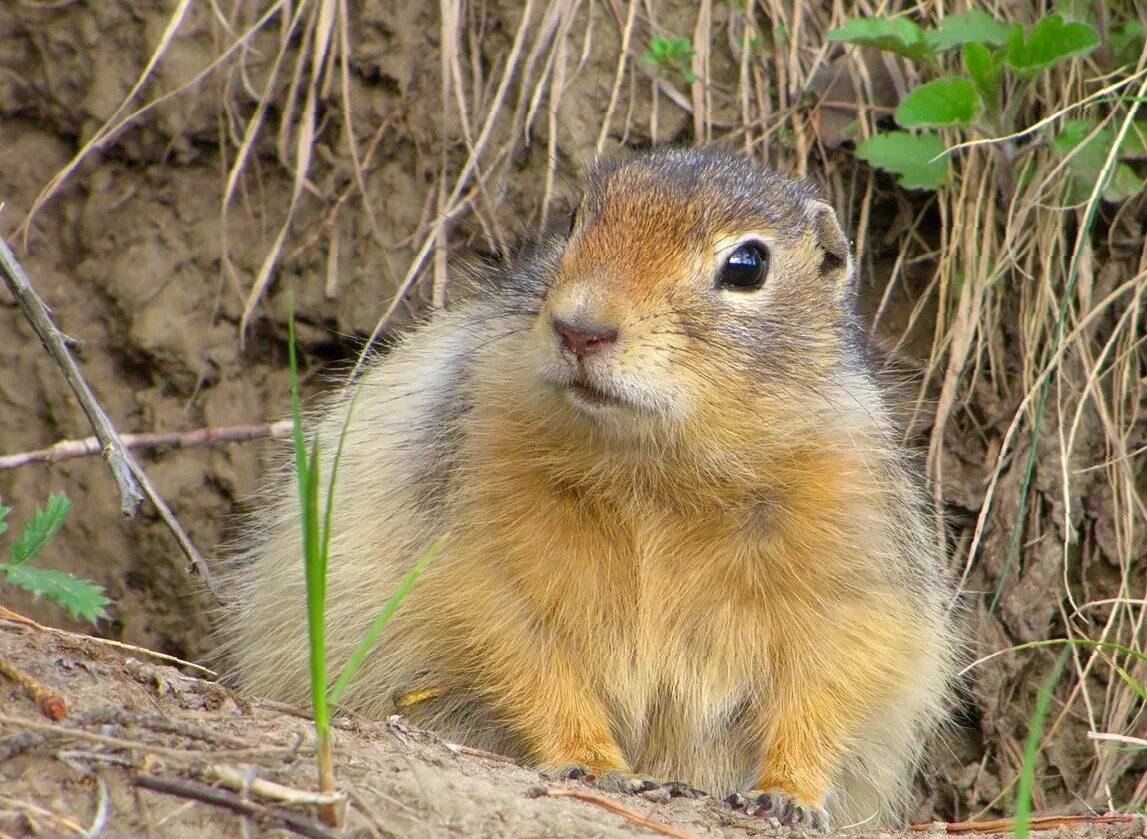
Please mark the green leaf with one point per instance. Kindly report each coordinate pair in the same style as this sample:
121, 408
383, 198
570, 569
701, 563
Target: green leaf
987, 71
1135, 142
671, 54
973, 27
4, 511
1127, 42
899, 35
1079, 10
909, 156
1049, 42
40, 530
1088, 150
83, 599
941, 103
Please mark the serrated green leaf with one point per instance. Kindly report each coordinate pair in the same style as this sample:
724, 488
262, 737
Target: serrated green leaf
909, 156
899, 35
973, 27
939, 104
1088, 150
986, 69
4, 511
40, 530
1049, 42
82, 598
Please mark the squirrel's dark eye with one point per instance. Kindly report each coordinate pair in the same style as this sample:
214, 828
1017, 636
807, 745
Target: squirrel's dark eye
573, 222
746, 268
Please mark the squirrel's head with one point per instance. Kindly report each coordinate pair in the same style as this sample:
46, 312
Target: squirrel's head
690, 282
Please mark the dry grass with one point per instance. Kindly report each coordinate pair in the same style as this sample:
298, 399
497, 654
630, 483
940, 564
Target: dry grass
1031, 310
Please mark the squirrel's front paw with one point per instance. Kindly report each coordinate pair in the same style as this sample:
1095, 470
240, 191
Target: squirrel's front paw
649, 787
781, 806
567, 772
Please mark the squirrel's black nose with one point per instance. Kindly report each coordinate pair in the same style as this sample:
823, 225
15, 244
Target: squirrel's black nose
582, 338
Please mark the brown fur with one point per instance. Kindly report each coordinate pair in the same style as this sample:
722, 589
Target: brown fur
727, 578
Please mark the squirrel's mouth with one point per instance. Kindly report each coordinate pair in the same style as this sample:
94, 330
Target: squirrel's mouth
585, 395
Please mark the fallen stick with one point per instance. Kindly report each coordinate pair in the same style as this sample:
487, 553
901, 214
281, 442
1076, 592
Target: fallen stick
237, 781
206, 794
56, 343
51, 704
16, 617
1036, 823
88, 446
614, 807
130, 479
13, 743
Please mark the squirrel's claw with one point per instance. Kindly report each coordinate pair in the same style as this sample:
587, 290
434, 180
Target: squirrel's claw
622, 782
782, 807
649, 787
568, 772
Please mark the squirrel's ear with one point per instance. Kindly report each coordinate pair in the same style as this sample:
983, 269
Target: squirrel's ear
831, 239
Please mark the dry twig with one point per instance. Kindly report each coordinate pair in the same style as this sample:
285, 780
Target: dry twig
626, 813
34, 811
51, 704
15, 617
56, 343
196, 791
181, 756
131, 480
237, 780
1038, 823
88, 446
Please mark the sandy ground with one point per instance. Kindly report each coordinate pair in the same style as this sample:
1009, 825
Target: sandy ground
145, 750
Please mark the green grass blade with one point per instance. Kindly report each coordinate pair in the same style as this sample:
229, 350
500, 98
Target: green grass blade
1031, 748
316, 574
382, 619
307, 476
297, 439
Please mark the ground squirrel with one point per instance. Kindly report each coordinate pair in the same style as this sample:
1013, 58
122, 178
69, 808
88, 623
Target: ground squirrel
684, 539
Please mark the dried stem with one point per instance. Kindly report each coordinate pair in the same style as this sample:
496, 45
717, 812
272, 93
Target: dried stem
328, 811
196, 791
51, 704
131, 481
1005, 826
88, 446
614, 807
56, 343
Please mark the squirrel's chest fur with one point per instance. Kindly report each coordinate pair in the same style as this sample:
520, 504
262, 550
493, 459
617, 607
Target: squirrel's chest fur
676, 604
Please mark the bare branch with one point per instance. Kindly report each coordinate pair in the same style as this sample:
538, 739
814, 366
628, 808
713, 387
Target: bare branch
131, 480
54, 341
66, 449
222, 798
